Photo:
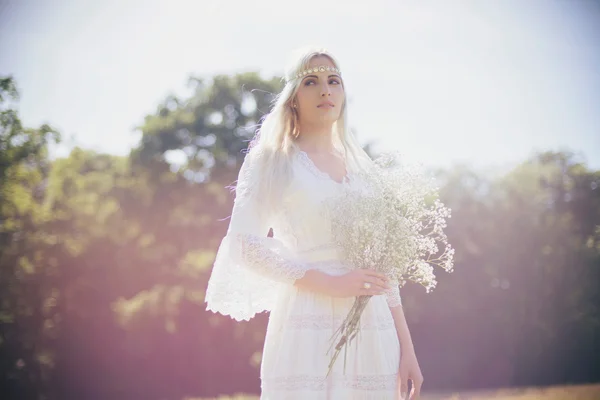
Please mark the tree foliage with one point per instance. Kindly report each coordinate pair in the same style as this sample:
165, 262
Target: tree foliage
104, 262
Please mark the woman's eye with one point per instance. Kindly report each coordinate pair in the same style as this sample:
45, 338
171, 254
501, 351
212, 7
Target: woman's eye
333, 81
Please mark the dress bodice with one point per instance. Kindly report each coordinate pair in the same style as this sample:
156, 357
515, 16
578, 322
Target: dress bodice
250, 268
303, 223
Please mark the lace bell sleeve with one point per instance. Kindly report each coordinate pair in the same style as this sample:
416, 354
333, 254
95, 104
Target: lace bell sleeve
250, 267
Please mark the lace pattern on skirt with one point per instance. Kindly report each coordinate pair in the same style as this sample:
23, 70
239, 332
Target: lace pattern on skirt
319, 383
327, 322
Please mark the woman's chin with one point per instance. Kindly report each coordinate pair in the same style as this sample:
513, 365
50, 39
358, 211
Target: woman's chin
327, 119
331, 115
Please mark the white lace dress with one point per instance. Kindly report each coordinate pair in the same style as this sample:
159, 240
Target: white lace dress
254, 273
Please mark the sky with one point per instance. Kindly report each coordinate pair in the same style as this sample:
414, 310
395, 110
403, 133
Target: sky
484, 83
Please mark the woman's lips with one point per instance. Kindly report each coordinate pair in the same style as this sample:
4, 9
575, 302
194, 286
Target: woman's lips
325, 105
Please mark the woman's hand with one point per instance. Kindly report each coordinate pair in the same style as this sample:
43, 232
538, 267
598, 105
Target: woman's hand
409, 369
352, 284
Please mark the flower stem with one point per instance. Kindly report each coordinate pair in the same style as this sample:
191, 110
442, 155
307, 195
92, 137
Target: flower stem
348, 330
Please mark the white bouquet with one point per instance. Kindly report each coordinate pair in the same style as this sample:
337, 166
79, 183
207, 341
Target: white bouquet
393, 225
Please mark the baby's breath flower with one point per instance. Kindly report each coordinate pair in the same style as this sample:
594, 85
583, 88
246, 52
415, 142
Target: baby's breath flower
392, 223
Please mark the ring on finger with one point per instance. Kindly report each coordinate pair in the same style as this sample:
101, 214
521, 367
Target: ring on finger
367, 285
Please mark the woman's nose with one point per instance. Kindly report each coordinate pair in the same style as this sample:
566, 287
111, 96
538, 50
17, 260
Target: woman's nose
325, 90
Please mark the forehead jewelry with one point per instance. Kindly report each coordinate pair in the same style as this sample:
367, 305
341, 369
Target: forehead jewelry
320, 68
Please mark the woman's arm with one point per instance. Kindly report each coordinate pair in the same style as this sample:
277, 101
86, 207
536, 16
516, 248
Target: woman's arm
315, 281
347, 285
406, 344
409, 366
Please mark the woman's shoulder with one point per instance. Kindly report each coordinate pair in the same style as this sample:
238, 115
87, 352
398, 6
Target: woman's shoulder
255, 153
260, 153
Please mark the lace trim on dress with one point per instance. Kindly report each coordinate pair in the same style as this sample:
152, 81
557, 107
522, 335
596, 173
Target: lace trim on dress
266, 261
236, 290
324, 321
319, 383
392, 295
308, 162
330, 266
394, 301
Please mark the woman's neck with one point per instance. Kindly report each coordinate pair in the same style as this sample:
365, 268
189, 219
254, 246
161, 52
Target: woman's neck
316, 140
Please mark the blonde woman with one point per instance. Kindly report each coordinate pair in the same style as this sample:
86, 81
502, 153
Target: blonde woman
302, 154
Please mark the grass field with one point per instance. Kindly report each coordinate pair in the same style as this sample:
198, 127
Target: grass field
578, 392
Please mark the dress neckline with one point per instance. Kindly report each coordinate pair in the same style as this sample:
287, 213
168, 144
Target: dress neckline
322, 174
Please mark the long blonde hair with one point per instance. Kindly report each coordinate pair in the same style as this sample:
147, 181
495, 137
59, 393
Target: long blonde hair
275, 139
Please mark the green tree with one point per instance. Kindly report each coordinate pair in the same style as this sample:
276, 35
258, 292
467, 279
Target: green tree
104, 262
522, 301
26, 315
138, 237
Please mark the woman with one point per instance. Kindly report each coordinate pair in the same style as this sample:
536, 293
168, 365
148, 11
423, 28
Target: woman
303, 154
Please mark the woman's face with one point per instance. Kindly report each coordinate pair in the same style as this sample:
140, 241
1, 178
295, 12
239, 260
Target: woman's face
320, 95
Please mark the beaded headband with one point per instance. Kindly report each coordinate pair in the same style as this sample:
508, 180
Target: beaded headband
321, 68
